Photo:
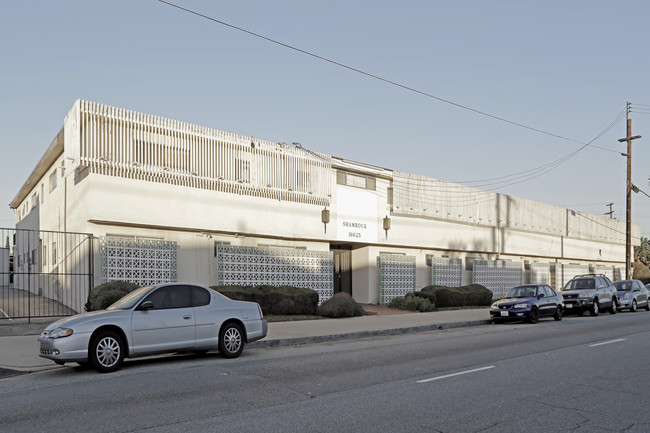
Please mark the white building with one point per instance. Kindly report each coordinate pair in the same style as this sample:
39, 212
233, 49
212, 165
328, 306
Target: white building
168, 200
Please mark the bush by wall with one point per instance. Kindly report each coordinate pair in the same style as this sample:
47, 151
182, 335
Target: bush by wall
413, 301
105, 294
280, 300
471, 295
340, 305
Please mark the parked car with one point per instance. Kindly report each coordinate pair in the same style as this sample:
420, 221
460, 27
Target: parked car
529, 302
151, 320
590, 292
632, 295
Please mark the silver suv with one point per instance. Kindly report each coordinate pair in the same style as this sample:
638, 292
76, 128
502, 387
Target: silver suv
591, 293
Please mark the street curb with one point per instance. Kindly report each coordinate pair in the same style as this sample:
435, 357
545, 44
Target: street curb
260, 344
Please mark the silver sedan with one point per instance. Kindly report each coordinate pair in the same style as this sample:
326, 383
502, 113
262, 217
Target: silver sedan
151, 320
632, 295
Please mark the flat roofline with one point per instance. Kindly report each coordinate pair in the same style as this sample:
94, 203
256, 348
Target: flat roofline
51, 155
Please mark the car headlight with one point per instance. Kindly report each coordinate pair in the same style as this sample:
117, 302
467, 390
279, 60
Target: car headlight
627, 296
584, 295
494, 306
60, 333
521, 306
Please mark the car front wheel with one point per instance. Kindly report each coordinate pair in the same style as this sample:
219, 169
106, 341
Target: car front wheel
594, 308
231, 341
106, 352
558, 314
533, 317
633, 307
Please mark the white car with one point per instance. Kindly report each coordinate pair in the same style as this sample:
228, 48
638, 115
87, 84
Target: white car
151, 320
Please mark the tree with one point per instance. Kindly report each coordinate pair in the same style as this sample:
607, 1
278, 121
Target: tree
642, 252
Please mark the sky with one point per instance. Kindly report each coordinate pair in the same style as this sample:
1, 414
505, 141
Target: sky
502, 95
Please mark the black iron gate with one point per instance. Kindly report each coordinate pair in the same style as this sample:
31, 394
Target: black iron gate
44, 273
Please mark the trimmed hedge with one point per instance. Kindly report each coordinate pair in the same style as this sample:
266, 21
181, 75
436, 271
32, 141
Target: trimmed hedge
340, 305
102, 296
471, 295
277, 300
412, 302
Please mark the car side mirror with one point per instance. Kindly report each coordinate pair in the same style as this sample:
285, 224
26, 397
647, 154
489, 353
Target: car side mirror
146, 305
540, 296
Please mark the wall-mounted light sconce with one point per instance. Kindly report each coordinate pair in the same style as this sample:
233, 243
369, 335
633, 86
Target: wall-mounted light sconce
386, 225
325, 218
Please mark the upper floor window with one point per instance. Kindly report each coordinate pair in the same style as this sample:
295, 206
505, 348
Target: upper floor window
53, 180
356, 180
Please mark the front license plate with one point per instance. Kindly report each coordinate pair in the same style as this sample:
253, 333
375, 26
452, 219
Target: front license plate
504, 313
569, 305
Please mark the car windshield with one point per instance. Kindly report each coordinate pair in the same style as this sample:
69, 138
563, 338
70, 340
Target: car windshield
623, 286
130, 299
580, 283
522, 292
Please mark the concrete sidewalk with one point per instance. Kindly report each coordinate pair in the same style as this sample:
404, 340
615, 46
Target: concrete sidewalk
19, 350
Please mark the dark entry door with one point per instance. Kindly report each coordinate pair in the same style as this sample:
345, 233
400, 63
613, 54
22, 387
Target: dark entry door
342, 269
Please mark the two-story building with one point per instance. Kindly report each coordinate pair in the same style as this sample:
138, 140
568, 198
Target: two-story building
171, 201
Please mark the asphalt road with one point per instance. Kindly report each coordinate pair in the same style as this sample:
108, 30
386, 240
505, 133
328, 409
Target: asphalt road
581, 375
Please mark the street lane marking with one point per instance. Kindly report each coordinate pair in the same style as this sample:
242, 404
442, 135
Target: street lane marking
607, 342
431, 379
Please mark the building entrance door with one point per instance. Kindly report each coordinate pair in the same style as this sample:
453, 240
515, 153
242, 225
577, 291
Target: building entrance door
342, 269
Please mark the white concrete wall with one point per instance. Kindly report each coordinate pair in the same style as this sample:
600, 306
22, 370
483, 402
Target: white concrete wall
103, 192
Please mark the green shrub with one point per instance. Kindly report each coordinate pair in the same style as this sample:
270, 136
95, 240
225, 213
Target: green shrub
106, 294
276, 300
641, 272
426, 295
412, 302
340, 305
471, 295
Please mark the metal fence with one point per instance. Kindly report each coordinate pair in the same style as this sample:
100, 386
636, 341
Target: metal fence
44, 273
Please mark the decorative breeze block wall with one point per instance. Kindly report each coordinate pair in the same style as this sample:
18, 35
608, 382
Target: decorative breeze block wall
396, 276
540, 273
446, 272
143, 261
607, 271
567, 272
253, 266
497, 275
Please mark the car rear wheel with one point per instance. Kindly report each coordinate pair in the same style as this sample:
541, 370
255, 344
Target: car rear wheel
633, 307
558, 314
647, 305
533, 317
106, 352
614, 308
231, 341
595, 309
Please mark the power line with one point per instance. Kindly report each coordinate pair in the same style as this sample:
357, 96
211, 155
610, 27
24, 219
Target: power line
377, 77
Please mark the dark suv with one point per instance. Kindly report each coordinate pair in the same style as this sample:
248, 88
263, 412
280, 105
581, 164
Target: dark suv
591, 293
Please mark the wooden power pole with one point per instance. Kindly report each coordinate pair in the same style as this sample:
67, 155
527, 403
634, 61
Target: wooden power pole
628, 207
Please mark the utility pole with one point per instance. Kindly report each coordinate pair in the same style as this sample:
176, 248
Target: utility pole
628, 207
611, 211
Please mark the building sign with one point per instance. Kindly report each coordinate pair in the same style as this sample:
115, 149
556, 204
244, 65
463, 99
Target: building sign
356, 218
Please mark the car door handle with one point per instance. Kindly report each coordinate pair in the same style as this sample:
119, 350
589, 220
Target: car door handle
187, 317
